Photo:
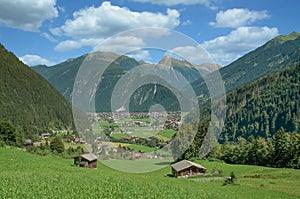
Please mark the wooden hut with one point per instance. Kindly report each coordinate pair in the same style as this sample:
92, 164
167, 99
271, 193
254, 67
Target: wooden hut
86, 160
187, 168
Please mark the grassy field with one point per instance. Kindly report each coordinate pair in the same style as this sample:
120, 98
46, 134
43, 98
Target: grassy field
25, 175
135, 147
167, 134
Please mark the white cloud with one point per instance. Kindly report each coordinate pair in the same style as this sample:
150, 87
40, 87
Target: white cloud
68, 45
238, 17
226, 49
105, 20
187, 22
193, 54
97, 23
33, 60
48, 36
207, 3
27, 15
121, 44
141, 55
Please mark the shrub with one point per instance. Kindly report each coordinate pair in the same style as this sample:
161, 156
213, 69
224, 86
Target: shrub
230, 180
57, 145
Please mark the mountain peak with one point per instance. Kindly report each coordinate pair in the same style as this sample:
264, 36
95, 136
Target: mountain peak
283, 38
169, 61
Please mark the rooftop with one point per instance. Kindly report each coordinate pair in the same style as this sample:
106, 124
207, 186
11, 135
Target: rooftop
183, 164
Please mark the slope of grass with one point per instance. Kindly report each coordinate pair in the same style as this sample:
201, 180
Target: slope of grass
24, 175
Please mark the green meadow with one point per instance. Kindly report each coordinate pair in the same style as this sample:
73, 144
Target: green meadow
25, 175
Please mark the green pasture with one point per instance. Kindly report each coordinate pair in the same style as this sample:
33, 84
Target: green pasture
25, 175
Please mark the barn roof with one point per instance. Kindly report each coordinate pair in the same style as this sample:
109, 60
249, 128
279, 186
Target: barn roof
89, 157
184, 164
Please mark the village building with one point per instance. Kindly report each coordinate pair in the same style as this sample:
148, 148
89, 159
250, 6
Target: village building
187, 168
86, 160
45, 135
37, 144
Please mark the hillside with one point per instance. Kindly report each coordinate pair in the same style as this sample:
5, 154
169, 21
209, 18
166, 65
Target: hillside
28, 100
278, 53
26, 175
260, 108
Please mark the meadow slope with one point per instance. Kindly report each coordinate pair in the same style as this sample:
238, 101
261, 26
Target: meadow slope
25, 175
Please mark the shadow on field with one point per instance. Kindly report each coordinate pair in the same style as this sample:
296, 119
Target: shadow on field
162, 163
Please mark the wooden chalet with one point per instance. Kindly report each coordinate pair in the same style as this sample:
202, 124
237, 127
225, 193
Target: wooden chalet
187, 168
86, 160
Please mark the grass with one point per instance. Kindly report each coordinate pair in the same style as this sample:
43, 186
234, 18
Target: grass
135, 147
119, 135
25, 175
168, 133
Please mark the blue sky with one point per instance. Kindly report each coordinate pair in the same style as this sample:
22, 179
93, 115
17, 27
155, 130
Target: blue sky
51, 31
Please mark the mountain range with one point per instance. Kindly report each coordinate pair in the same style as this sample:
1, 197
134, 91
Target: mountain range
62, 76
262, 88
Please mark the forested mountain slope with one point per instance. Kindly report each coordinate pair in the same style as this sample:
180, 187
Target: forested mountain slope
28, 100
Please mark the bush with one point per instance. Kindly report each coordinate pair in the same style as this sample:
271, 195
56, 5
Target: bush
57, 145
230, 180
2, 143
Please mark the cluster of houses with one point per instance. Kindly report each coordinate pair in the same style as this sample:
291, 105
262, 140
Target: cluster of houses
172, 119
47, 136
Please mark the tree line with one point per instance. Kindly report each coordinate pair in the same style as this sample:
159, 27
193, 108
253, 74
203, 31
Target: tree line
280, 150
10, 136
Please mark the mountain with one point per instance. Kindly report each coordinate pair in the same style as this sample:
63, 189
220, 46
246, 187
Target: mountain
276, 54
28, 100
262, 107
62, 77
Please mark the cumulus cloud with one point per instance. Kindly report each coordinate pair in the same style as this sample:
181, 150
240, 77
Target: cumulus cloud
225, 49
121, 44
68, 45
207, 3
107, 19
27, 15
193, 54
97, 23
238, 17
141, 55
33, 60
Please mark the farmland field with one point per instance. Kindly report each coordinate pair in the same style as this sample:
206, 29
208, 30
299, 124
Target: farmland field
25, 175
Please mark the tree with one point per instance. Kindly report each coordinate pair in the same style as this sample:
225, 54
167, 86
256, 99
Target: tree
57, 145
8, 133
182, 142
282, 149
198, 147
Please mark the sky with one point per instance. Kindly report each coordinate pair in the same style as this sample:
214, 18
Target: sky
51, 31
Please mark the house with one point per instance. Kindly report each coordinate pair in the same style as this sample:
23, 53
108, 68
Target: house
187, 168
37, 144
45, 135
86, 160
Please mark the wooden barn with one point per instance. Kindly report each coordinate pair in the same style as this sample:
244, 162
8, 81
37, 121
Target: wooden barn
187, 168
86, 160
